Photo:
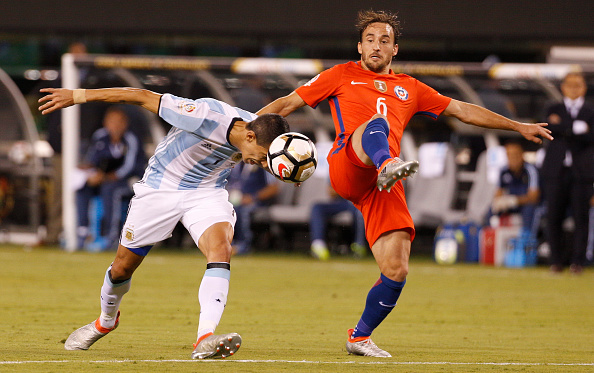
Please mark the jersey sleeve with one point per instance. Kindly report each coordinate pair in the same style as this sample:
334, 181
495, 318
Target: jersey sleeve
189, 115
321, 86
429, 101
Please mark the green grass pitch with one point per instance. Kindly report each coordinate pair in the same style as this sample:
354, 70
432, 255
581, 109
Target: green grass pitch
293, 313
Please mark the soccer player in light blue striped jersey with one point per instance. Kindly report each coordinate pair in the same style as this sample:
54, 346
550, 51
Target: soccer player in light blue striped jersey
184, 182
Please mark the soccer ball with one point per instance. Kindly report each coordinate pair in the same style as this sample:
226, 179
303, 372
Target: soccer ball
292, 157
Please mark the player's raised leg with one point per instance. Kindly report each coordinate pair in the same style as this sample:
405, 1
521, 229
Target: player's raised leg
370, 142
215, 243
391, 251
115, 284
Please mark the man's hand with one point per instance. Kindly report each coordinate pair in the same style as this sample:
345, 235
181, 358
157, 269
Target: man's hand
96, 178
504, 203
535, 132
58, 98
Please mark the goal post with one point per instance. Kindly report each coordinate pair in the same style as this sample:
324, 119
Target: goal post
70, 157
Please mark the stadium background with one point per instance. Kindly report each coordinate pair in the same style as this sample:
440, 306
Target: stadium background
458, 30
453, 318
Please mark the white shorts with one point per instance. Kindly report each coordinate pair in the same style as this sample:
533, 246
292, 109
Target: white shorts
154, 213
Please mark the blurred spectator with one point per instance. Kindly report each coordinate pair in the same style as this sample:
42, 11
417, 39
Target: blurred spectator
250, 187
324, 211
114, 161
518, 191
321, 213
568, 171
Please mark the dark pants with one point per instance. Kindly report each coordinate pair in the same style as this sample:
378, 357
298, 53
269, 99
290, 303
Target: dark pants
322, 212
561, 193
243, 227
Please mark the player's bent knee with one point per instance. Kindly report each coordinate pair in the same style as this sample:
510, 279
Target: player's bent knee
217, 250
121, 272
396, 272
124, 264
215, 242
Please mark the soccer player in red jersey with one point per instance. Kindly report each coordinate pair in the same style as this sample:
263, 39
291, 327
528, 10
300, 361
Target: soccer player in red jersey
371, 106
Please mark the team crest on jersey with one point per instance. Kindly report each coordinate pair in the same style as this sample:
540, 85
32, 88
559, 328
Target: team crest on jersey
188, 107
401, 93
380, 86
312, 80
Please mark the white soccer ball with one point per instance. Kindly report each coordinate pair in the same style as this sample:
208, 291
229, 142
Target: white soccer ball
292, 157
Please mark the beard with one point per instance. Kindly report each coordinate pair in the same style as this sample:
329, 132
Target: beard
377, 66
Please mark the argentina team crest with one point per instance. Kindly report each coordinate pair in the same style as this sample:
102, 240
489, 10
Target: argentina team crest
401, 93
380, 86
129, 234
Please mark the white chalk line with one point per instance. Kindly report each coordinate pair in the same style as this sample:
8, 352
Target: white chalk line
291, 362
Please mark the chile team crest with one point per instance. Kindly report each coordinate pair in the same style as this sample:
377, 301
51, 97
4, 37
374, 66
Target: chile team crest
401, 93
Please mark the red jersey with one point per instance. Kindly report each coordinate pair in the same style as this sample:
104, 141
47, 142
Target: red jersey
356, 94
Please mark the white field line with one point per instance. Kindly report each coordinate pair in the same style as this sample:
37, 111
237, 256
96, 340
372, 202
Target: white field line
292, 362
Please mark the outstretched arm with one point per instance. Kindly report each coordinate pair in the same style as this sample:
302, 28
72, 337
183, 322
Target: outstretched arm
283, 105
481, 117
59, 98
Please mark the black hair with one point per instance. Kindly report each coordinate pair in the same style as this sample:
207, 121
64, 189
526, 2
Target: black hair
268, 127
515, 141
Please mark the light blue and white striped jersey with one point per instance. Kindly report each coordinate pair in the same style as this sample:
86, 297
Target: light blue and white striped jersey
196, 152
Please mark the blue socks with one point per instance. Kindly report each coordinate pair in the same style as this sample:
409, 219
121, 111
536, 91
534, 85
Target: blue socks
381, 299
375, 141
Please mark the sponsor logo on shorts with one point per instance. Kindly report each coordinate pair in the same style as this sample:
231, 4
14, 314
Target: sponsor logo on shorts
401, 93
380, 85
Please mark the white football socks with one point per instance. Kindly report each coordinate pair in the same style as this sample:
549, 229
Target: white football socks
213, 296
111, 297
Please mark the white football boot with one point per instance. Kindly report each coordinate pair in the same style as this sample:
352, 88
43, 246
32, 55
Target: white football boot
217, 346
84, 337
364, 346
393, 170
